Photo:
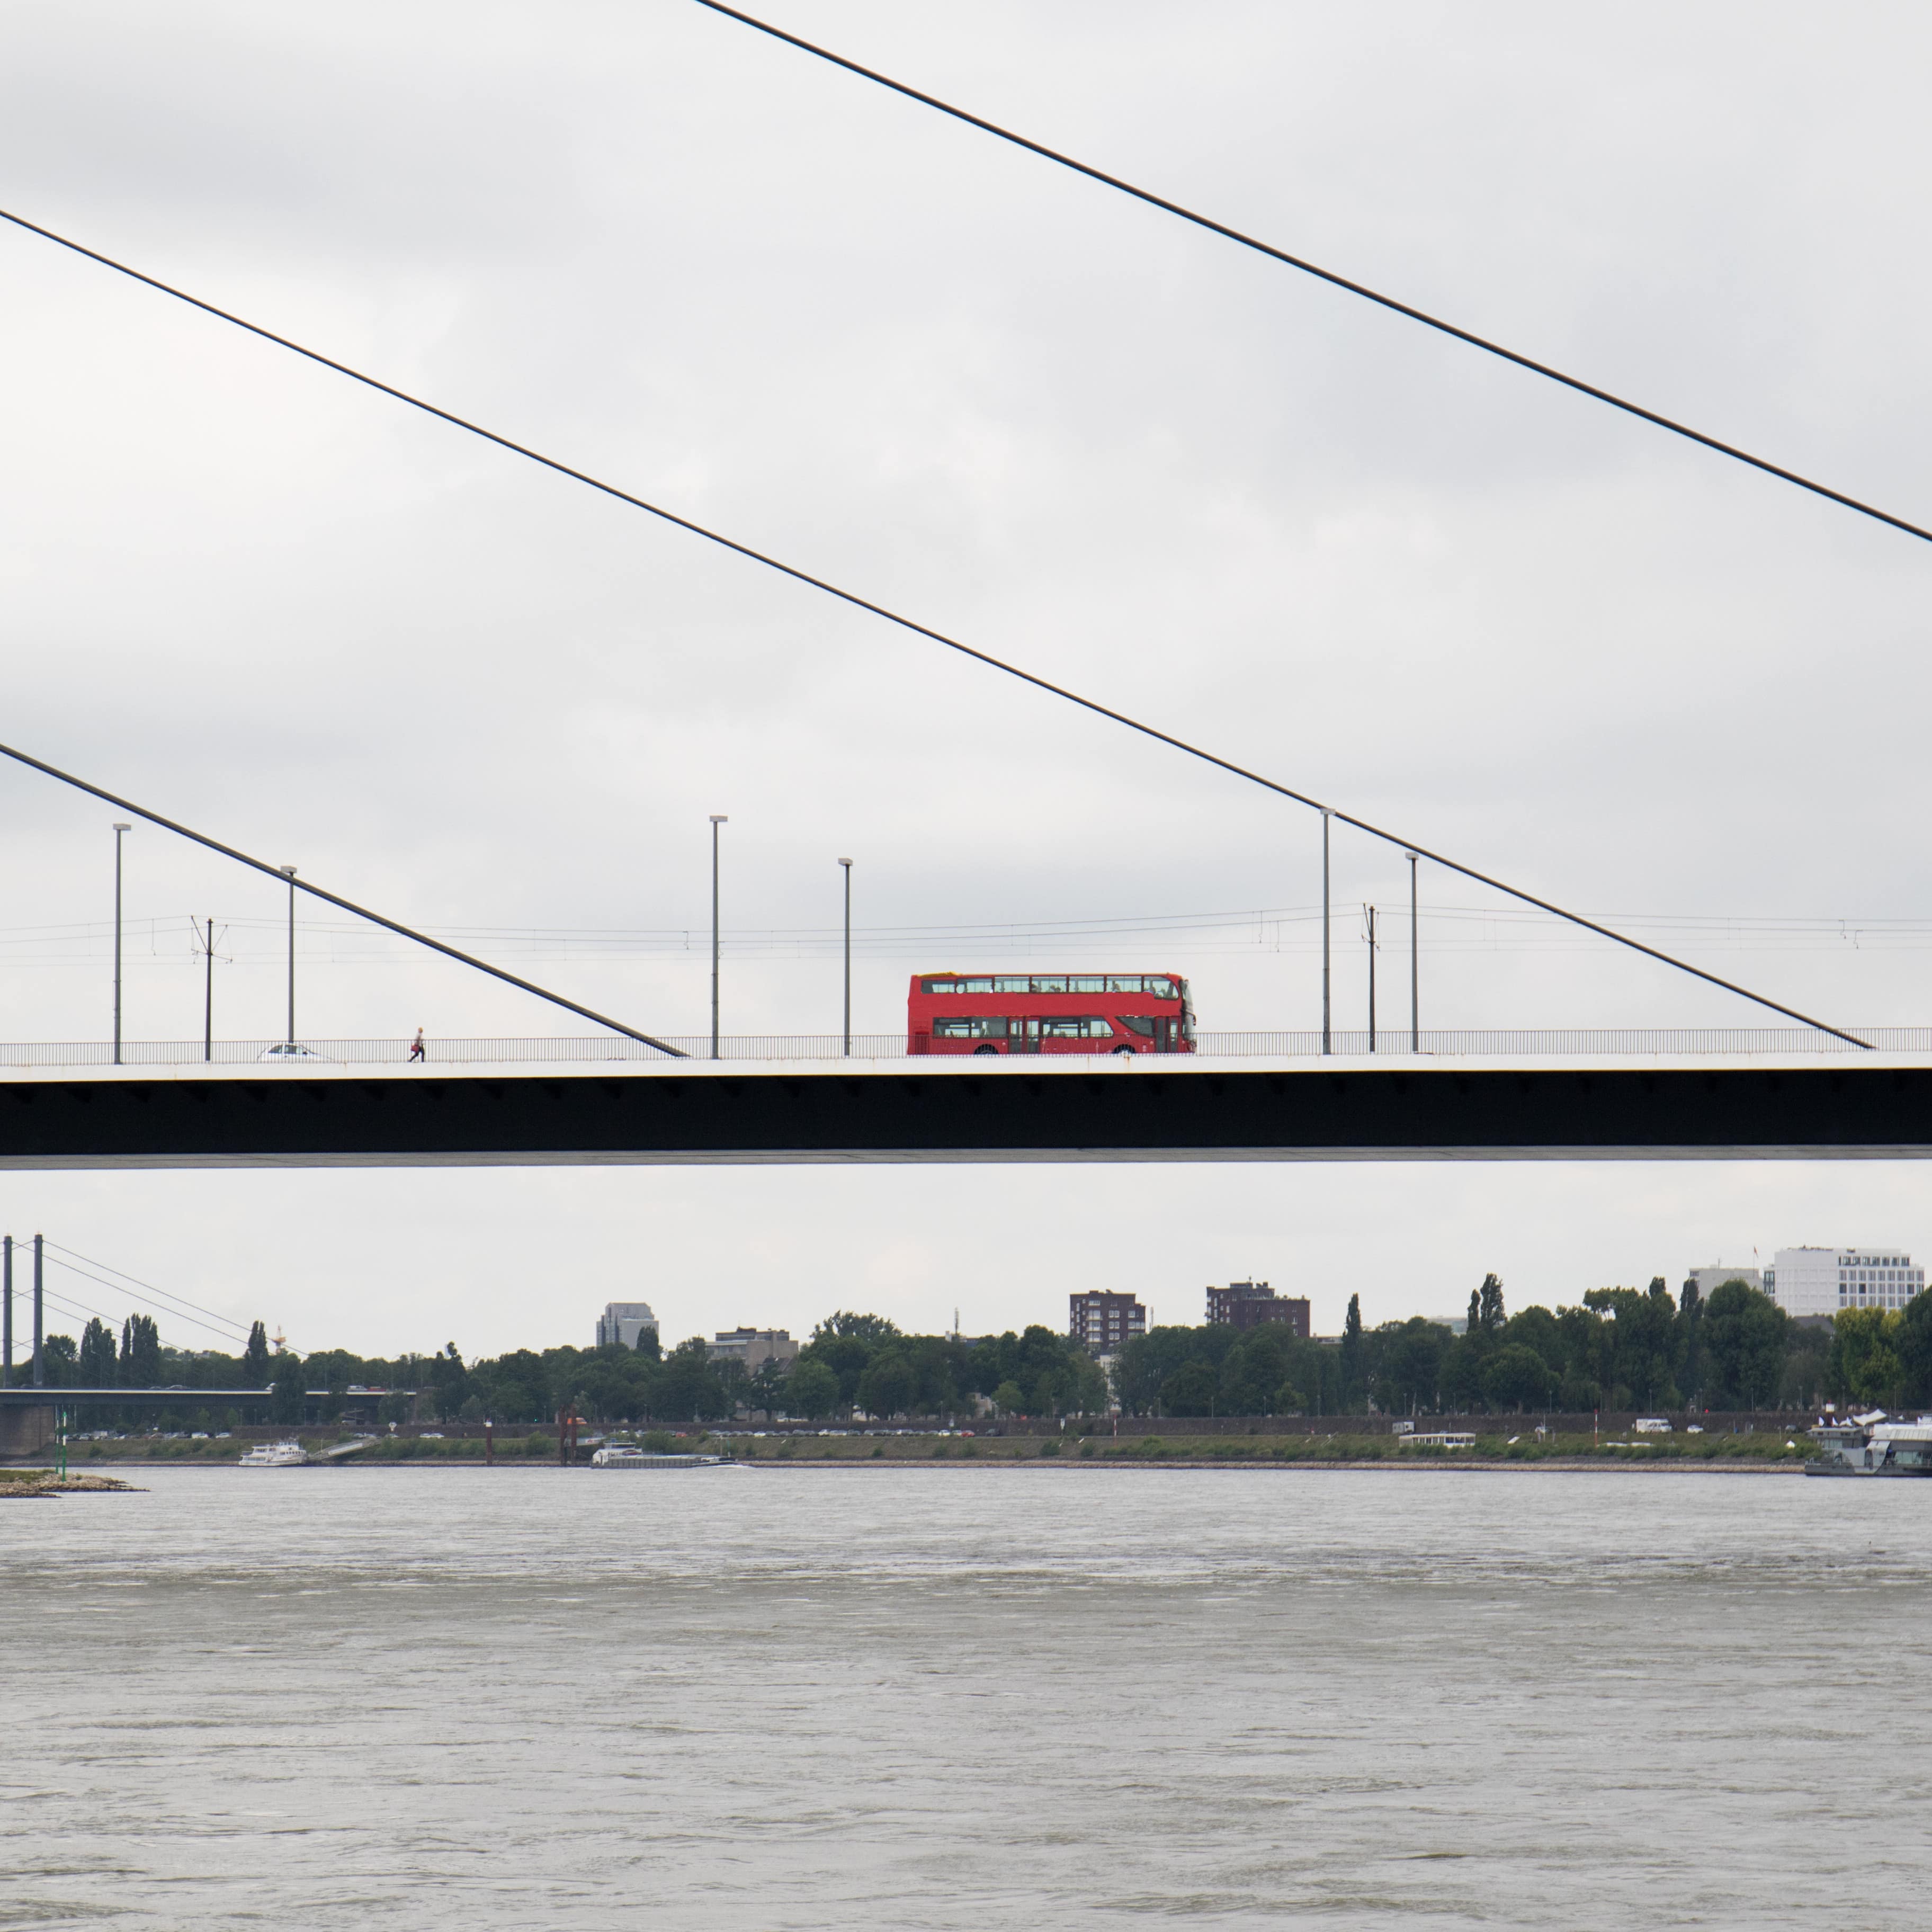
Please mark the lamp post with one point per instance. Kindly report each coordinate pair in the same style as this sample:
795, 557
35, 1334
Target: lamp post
718, 818
847, 864
119, 829
1371, 912
39, 1370
288, 873
1328, 1036
1415, 997
6, 1312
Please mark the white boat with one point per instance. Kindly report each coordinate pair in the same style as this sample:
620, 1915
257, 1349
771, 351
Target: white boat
1873, 1444
617, 1457
275, 1456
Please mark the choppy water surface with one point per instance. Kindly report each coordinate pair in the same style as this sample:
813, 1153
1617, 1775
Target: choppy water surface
971, 1698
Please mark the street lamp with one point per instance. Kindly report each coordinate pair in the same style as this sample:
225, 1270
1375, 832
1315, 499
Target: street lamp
1371, 912
1415, 996
718, 818
288, 873
119, 829
1327, 1036
847, 864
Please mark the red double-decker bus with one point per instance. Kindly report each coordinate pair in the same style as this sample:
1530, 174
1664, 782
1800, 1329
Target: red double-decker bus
1049, 1012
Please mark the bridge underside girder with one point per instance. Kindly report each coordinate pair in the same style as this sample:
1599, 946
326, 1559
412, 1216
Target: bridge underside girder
718, 1117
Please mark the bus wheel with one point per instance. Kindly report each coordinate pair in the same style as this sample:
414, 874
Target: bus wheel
1123, 1049
978, 1050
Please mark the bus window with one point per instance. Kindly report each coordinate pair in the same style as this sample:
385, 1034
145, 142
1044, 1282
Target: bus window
941, 986
1054, 986
1096, 985
1134, 1023
1162, 989
1129, 982
1013, 985
971, 1027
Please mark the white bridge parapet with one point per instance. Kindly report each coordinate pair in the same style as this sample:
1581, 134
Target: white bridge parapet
1564, 1043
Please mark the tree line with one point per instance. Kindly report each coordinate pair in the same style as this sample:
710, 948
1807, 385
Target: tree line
852, 1363
1621, 1348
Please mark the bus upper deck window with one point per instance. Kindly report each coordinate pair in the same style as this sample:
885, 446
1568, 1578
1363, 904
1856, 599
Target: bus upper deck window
1129, 983
1052, 985
1085, 984
1016, 986
1162, 989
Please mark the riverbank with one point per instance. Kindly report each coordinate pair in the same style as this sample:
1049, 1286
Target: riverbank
1765, 1452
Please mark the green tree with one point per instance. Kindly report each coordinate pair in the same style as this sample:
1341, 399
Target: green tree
256, 1373
688, 1388
59, 1361
1516, 1377
140, 1363
1742, 1334
1914, 1348
1010, 1399
1588, 1359
845, 1342
1408, 1370
95, 1365
886, 1386
1355, 1369
766, 1389
449, 1384
1490, 1314
1252, 1373
1193, 1389
1644, 1339
290, 1388
1864, 1361
811, 1389
1691, 1338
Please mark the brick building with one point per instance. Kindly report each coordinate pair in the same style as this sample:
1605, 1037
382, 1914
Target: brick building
1102, 1321
1249, 1304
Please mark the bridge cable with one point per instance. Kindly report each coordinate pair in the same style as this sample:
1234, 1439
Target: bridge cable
852, 598
193, 1307
336, 899
171, 1314
1327, 275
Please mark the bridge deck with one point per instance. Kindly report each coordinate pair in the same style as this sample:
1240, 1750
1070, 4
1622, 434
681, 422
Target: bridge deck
1866, 1107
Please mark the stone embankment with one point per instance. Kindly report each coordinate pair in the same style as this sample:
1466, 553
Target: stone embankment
47, 1482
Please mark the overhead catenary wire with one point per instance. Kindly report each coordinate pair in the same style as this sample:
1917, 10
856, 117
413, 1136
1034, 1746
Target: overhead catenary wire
335, 899
193, 1307
1328, 275
857, 602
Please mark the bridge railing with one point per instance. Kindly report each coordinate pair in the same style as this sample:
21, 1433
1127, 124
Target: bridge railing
1564, 1042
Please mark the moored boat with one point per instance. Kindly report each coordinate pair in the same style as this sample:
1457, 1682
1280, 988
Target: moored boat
1873, 1444
617, 1456
275, 1456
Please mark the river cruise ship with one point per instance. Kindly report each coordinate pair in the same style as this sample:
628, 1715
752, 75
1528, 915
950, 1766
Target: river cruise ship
275, 1456
1873, 1445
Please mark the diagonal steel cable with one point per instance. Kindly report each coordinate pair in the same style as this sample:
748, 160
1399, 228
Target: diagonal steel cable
857, 602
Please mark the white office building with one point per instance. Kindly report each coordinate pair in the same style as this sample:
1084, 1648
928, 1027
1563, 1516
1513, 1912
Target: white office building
624, 1322
1823, 1281
1717, 1274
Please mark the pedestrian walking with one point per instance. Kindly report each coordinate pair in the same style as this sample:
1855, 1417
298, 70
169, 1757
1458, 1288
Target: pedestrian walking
416, 1047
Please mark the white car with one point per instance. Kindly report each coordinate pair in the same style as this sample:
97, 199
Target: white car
289, 1049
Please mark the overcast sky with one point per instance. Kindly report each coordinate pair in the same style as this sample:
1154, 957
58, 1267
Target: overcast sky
1507, 622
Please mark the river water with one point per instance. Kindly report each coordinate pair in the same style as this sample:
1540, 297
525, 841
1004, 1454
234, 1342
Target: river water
966, 1698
